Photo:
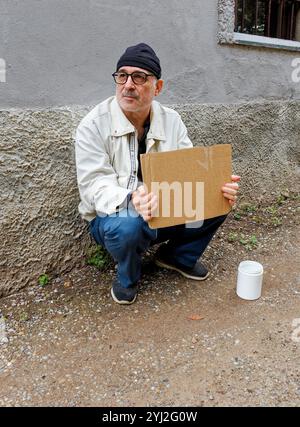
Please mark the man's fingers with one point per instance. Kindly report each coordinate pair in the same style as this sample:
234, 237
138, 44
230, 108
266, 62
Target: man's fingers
149, 198
229, 190
144, 203
232, 185
230, 196
148, 210
144, 199
141, 197
149, 206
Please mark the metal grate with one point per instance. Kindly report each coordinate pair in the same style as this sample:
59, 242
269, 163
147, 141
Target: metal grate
270, 18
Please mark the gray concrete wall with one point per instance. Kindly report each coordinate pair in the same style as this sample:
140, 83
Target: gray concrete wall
39, 225
62, 52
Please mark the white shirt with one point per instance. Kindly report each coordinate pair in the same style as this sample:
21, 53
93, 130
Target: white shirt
106, 150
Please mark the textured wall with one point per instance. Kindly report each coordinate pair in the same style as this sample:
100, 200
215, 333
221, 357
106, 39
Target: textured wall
40, 230
39, 225
62, 52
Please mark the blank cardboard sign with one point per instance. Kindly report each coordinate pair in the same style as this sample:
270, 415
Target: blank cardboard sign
188, 183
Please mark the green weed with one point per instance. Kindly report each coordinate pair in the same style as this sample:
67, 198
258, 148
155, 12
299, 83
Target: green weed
276, 221
249, 243
280, 199
98, 257
44, 279
275, 218
247, 207
232, 237
272, 210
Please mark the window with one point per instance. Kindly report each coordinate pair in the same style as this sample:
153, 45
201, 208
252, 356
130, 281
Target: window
273, 24
268, 18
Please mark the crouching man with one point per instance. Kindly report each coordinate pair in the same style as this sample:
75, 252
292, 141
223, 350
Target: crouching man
109, 142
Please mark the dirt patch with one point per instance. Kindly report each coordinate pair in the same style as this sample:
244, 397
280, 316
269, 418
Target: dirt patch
182, 343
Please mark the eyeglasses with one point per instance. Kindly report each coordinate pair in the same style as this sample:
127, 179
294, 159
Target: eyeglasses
138, 77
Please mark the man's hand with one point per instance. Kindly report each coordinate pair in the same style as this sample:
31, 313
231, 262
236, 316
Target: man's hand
231, 189
144, 203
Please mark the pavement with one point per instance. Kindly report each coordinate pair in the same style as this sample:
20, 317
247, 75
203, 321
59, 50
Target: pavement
183, 343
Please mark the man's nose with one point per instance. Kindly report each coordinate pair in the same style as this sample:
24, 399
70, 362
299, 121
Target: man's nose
129, 84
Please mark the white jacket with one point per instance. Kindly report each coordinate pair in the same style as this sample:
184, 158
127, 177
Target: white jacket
106, 153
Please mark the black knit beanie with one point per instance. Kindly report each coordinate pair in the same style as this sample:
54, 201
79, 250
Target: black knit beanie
142, 56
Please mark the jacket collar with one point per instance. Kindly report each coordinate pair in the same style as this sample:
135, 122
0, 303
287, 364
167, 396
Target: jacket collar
157, 130
120, 125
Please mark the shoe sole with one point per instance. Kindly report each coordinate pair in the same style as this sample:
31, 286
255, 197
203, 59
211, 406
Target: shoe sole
171, 267
122, 302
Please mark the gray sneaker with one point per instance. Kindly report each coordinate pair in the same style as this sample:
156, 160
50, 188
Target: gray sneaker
197, 272
123, 295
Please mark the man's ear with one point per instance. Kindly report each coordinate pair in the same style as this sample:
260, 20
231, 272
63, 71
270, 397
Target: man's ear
158, 87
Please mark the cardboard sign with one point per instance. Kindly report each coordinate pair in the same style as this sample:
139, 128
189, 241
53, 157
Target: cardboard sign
188, 183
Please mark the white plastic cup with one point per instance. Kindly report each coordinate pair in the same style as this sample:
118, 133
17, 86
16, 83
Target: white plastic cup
249, 280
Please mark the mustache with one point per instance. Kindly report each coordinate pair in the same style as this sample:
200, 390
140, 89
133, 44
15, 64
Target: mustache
130, 95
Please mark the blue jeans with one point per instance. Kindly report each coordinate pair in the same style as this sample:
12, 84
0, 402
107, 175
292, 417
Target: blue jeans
126, 237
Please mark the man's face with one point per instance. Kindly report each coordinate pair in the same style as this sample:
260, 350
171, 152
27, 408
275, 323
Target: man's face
135, 98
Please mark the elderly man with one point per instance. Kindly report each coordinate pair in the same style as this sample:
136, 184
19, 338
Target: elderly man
109, 142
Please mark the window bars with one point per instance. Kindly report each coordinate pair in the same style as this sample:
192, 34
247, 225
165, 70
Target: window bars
269, 18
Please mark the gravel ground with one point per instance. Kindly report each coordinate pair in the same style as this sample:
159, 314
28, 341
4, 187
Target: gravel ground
183, 343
